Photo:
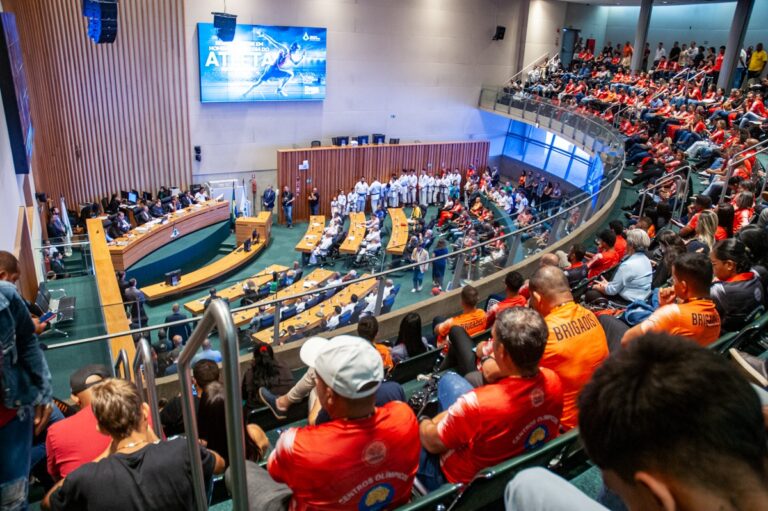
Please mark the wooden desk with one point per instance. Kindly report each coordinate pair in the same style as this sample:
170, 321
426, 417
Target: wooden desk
143, 240
312, 281
113, 308
235, 291
322, 311
399, 237
355, 235
197, 278
245, 225
313, 235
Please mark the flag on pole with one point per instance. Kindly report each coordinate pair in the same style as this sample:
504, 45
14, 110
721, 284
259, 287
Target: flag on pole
244, 205
67, 226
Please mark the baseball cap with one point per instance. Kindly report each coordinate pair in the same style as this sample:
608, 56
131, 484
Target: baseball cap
350, 365
77, 382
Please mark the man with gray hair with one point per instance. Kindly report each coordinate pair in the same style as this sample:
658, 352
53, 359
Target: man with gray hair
632, 280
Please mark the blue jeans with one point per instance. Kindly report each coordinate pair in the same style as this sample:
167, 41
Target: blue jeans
418, 278
15, 448
449, 389
288, 212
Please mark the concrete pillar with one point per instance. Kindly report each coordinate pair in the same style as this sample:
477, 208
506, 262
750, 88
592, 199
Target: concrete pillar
641, 34
736, 35
522, 34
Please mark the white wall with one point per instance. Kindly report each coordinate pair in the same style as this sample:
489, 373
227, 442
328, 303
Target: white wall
411, 69
708, 23
545, 19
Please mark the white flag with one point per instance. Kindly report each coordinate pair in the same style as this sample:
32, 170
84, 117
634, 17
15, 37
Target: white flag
67, 226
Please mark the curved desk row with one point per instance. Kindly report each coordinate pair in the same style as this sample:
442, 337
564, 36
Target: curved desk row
197, 278
356, 234
314, 233
399, 237
236, 291
323, 311
311, 281
143, 240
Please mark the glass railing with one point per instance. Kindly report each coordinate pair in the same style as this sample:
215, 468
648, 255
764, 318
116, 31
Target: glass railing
464, 264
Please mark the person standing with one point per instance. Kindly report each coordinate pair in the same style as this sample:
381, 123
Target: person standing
422, 184
286, 200
757, 63
314, 202
375, 192
26, 392
268, 199
361, 194
420, 256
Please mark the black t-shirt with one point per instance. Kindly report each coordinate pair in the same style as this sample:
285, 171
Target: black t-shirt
157, 477
286, 197
315, 201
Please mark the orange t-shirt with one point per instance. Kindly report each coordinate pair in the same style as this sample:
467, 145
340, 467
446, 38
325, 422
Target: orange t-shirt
697, 320
620, 246
507, 303
602, 261
495, 422
386, 355
366, 463
473, 322
576, 346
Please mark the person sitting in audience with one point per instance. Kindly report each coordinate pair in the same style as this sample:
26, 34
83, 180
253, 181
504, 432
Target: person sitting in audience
664, 448
368, 329
264, 371
137, 469
348, 374
213, 295
606, 257
738, 291
706, 229
75, 441
632, 280
200, 196
333, 321
576, 272
576, 345
184, 330
481, 427
410, 342
513, 282
207, 353
670, 246
700, 203
686, 308
157, 209
57, 266
620, 245
322, 248
143, 216
370, 300
204, 372
121, 223
471, 319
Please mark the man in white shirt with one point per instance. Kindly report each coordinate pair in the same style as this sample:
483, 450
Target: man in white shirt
351, 202
375, 234
375, 192
422, 183
322, 248
394, 192
333, 321
404, 188
413, 183
431, 188
200, 196
361, 190
660, 52
522, 202
370, 247
370, 300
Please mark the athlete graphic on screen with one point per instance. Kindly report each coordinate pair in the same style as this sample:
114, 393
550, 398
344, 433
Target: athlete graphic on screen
281, 67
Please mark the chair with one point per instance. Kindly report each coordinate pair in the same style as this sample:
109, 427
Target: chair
288, 313
267, 321
312, 302
344, 319
438, 499
63, 305
409, 369
388, 303
263, 292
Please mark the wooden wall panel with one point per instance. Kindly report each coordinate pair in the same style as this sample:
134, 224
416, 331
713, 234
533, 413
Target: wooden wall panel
107, 117
331, 168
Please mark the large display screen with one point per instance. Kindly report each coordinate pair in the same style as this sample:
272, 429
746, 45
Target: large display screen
262, 63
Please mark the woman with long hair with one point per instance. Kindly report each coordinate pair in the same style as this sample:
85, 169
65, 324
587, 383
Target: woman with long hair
671, 246
756, 241
744, 209
725, 221
264, 371
410, 342
738, 292
705, 233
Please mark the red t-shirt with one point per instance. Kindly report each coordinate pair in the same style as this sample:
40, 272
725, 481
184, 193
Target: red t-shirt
73, 442
6, 415
620, 246
365, 463
602, 261
517, 301
498, 421
720, 233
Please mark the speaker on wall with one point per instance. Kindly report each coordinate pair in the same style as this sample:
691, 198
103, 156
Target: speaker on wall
500, 31
225, 25
198, 153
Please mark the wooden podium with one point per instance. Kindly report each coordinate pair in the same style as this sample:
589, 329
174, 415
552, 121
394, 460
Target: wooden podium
245, 225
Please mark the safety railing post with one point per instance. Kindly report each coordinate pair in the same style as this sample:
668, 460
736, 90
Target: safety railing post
379, 296
216, 316
144, 377
121, 367
457, 271
515, 245
276, 326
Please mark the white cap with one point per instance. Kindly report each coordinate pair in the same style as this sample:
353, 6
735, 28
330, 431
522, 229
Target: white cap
349, 365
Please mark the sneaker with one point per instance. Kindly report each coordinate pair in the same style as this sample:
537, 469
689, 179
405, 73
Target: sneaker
756, 369
413, 290
270, 400
628, 181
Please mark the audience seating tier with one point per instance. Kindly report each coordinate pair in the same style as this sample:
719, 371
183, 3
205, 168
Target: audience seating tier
313, 234
235, 291
142, 240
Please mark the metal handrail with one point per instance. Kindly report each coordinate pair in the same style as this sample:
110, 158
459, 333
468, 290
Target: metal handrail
731, 166
122, 366
144, 369
533, 63
674, 175
610, 176
216, 316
